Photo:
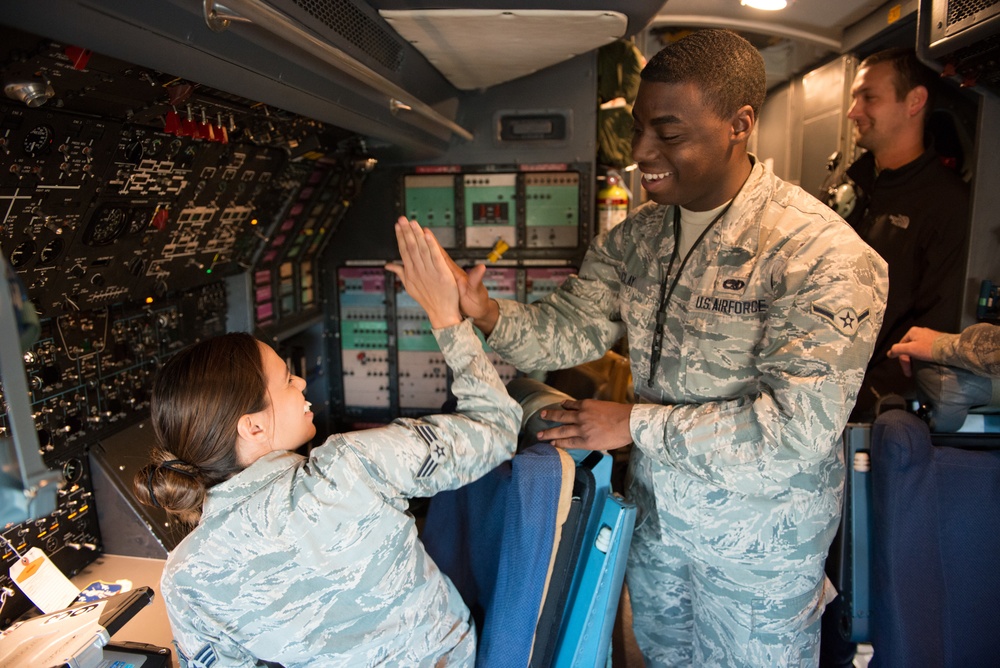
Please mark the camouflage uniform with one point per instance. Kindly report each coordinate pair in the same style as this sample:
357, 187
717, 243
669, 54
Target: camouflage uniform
316, 562
737, 471
976, 349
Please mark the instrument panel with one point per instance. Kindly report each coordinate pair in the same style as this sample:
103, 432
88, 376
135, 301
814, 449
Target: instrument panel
129, 198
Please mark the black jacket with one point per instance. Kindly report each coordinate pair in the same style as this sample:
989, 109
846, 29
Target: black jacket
917, 218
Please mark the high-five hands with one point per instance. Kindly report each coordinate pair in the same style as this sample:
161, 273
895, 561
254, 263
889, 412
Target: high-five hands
426, 273
474, 299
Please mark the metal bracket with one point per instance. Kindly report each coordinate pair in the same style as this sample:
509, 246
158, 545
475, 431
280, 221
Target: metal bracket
219, 18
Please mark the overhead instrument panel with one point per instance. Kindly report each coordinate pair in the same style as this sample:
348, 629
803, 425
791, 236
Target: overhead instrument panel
552, 209
526, 222
430, 199
364, 338
423, 373
502, 283
391, 364
127, 184
90, 374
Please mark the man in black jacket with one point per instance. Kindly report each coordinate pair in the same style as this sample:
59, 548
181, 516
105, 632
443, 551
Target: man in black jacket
914, 211
910, 207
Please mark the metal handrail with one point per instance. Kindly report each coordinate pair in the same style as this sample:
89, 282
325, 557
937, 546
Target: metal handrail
219, 18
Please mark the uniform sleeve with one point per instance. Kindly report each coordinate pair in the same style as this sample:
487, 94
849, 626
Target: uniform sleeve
576, 324
976, 349
420, 457
819, 333
197, 646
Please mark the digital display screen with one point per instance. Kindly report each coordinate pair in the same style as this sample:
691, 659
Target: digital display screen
490, 213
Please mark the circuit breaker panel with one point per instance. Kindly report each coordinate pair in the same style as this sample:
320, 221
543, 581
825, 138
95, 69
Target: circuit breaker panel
390, 362
524, 222
529, 209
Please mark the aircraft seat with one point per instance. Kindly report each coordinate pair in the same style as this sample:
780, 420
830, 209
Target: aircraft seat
935, 543
495, 539
921, 534
537, 549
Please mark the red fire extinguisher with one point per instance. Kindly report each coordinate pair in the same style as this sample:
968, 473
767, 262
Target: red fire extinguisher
612, 202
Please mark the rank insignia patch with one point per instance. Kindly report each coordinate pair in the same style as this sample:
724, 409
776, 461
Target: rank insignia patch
436, 451
846, 320
205, 658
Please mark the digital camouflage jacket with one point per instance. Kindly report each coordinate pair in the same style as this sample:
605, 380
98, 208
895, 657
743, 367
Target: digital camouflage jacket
316, 561
765, 340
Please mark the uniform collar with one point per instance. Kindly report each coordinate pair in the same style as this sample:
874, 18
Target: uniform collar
740, 228
249, 481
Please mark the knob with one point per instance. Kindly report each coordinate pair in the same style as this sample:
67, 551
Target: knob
31, 93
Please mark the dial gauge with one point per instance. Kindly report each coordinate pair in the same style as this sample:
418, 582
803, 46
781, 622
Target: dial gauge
73, 470
50, 251
107, 224
22, 254
38, 140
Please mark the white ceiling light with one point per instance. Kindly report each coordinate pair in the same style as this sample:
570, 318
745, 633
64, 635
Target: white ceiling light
769, 5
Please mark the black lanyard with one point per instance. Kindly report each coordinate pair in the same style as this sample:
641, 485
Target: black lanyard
656, 350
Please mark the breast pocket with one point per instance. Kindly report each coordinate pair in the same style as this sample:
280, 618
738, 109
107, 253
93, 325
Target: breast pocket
721, 338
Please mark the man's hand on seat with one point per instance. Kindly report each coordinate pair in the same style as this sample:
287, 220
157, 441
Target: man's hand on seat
589, 424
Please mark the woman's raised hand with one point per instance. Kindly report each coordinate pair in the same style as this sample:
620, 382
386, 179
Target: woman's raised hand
426, 273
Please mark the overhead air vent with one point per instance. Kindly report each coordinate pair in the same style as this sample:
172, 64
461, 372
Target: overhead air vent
347, 20
954, 16
964, 37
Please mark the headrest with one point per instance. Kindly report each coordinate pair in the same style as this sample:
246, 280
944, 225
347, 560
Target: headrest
950, 393
534, 396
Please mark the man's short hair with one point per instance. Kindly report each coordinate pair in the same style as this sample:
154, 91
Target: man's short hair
908, 72
727, 68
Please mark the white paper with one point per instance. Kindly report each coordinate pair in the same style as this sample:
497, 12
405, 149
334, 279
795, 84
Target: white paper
43, 582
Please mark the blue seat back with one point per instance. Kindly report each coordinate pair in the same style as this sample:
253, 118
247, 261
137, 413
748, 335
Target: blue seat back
935, 545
